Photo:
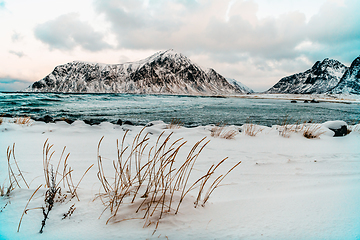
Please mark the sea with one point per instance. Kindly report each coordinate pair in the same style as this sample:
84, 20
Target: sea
191, 111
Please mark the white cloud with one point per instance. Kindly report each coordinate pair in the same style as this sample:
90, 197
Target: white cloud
67, 31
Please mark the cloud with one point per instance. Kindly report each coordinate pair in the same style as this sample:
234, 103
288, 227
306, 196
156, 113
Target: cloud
227, 32
143, 25
215, 27
67, 31
15, 37
2, 4
19, 54
336, 30
12, 85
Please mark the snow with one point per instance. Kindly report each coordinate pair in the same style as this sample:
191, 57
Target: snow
285, 188
334, 124
239, 85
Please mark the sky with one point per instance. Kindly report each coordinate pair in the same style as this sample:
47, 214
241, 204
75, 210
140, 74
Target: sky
256, 42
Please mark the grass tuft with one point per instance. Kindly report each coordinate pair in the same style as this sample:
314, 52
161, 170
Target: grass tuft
220, 131
312, 131
23, 121
53, 179
150, 188
175, 124
251, 129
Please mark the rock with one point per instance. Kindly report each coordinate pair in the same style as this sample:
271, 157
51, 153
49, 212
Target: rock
293, 101
92, 121
128, 123
46, 119
338, 127
6, 115
314, 101
306, 101
69, 121
119, 122
149, 124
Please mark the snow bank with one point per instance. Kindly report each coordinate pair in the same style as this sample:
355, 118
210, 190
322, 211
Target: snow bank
285, 188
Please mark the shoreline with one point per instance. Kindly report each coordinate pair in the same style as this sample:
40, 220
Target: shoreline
339, 98
303, 97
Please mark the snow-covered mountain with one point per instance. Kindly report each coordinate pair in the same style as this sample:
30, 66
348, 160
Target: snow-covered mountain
350, 81
321, 78
239, 85
165, 72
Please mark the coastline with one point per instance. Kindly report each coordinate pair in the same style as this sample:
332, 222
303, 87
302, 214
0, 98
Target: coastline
334, 98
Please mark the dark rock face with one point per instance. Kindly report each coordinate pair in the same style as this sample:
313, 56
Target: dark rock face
321, 78
350, 81
165, 72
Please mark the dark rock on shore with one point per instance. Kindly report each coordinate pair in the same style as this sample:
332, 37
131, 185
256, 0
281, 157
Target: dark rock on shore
6, 115
340, 132
46, 119
128, 123
338, 127
92, 121
69, 121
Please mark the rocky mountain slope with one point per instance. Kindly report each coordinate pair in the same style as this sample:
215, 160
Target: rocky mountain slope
350, 81
321, 78
239, 85
165, 72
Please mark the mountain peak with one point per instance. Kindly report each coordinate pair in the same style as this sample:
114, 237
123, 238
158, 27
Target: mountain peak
165, 72
322, 77
350, 81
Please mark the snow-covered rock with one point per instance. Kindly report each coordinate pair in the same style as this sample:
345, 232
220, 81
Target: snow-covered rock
338, 127
165, 72
350, 81
239, 85
321, 78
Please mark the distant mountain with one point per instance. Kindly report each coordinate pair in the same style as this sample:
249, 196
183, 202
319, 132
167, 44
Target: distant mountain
350, 81
321, 78
239, 85
165, 72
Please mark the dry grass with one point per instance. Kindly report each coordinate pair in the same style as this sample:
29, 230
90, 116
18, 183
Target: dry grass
15, 176
53, 179
251, 129
23, 121
1, 120
221, 132
286, 129
175, 124
312, 131
149, 189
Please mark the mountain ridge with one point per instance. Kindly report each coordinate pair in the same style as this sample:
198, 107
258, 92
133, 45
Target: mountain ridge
165, 72
324, 77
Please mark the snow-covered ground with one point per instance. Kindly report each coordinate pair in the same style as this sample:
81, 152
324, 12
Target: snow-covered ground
287, 187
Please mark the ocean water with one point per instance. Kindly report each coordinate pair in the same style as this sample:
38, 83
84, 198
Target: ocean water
192, 111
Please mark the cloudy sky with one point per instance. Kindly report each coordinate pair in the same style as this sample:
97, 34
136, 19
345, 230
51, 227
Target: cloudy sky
256, 42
